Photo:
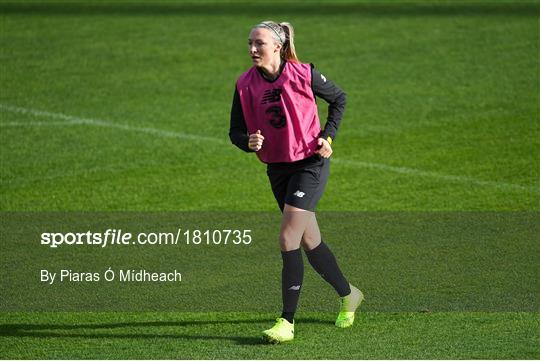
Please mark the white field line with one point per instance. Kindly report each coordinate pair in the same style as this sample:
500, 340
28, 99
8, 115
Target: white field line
445, 177
37, 124
72, 120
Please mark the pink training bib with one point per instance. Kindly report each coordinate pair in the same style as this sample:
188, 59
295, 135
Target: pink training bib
283, 110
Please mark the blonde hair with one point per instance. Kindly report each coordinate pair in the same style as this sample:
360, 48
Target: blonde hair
282, 33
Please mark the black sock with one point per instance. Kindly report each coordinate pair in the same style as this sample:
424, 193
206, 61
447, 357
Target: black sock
323, 261
292, 275
289, 316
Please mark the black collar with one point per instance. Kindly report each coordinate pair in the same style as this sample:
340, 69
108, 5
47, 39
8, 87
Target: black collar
281, 67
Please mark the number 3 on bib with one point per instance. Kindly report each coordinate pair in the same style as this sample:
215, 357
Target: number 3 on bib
276, 117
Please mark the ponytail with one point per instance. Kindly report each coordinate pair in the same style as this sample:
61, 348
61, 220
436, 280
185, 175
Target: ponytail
288, 52
284, 34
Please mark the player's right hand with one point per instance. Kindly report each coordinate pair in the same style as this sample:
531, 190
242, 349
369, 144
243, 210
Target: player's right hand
255, 141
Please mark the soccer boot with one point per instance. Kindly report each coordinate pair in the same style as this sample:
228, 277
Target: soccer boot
349, 304
282, 331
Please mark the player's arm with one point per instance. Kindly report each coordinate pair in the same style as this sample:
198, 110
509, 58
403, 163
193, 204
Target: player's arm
336, 99
238, 131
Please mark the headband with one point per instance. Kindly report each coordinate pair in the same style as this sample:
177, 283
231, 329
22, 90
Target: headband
274, 30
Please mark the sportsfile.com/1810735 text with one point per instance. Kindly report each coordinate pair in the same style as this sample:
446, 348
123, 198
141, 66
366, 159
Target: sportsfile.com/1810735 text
117, 237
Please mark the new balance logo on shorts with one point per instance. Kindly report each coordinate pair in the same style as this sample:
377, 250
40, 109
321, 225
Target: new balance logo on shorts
294, 288
299, 194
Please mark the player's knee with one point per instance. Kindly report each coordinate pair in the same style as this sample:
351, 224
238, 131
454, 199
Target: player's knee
287, 241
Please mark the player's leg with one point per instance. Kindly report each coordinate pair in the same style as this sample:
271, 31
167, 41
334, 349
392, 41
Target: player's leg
294, 222
323, 260
293, 267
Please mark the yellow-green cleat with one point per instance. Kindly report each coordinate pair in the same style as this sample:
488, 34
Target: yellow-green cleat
349, 304
282, 331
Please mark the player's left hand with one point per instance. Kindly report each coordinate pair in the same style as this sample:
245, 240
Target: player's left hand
324, 148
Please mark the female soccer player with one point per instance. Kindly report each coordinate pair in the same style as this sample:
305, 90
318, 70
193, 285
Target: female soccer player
274, 114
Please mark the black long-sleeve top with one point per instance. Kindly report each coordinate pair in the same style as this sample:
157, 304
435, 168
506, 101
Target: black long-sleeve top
322, 87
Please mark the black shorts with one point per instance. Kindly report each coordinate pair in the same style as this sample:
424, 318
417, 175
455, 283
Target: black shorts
299, 184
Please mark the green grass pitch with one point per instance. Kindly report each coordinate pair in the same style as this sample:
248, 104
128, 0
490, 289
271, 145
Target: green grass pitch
120, 106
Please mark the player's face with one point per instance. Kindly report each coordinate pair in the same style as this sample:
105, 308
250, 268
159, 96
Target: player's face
262, 47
